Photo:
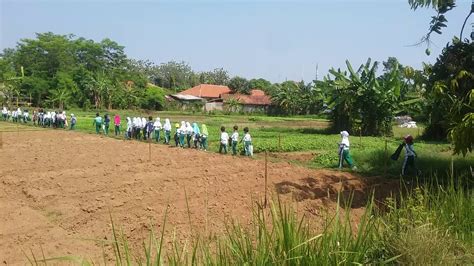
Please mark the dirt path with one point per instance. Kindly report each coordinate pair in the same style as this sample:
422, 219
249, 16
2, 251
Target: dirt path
58, 190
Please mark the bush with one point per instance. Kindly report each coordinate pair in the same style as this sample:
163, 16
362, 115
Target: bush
153, 99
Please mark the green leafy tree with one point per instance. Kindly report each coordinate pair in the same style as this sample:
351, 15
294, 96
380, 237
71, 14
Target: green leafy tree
240, 85
218, 76
174, 75
450, 96
286, 96
439, 21
153, 98
261, 84
233, 105
360, 97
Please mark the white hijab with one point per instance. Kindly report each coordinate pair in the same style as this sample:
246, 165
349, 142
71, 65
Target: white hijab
157, 123
182, 129
189, 128
143, 122
345, 138
167, 125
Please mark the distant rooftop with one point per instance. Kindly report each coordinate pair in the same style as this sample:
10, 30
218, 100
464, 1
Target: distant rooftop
207, 91
256, 97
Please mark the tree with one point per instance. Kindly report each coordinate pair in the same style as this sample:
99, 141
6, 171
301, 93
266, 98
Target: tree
233, 105
286, 95
174, 75
360, 97
261, 84
218, 76
240, 85
153, 99
63, 69
450, 96
439, 21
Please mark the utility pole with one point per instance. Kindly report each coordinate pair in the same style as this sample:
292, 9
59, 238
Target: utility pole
316, 76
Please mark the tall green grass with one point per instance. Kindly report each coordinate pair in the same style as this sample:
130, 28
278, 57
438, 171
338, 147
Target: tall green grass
429, 223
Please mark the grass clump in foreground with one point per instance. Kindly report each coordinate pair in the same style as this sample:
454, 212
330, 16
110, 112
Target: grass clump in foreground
428, 223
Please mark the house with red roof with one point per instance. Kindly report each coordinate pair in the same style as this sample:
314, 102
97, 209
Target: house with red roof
257, 100
217, 97
207, 91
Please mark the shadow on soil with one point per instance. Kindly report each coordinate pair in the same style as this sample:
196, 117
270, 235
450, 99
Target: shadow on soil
353, 191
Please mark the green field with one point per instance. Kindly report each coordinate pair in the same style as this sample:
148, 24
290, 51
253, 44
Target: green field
307, 134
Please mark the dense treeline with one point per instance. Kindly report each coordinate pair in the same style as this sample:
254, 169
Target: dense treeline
64, 71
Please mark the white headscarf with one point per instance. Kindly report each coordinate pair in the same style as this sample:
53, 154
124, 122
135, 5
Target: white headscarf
157, 124
167, 125
129, 124
135, 122
182, 129
345, 138
189, 128
143, 122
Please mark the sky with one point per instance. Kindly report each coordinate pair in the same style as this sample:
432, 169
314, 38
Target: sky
275, 40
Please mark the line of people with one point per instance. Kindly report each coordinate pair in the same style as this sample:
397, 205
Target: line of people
185, 134
53, 119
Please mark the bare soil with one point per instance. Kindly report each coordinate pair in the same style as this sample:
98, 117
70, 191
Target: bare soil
60, 188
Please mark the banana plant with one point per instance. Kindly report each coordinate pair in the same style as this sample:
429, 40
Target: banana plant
358, 97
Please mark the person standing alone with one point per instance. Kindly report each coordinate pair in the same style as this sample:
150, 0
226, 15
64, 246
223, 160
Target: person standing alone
344, 154
410, 155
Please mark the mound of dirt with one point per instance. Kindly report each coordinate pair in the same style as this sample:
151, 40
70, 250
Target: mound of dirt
59, 190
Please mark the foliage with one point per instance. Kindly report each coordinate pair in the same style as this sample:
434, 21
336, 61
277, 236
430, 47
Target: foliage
450, 97
361, 97
174, 75
153, 99
233, 105
261, 84
439, 21
218, 76
62, 70
297, 98
240, 85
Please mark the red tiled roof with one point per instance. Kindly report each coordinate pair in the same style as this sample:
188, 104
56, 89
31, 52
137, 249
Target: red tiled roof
257, 92
207, 91
256, 97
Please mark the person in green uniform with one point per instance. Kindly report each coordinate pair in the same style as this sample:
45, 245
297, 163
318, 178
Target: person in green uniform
97, 123
204, 136
106, 124
344, 154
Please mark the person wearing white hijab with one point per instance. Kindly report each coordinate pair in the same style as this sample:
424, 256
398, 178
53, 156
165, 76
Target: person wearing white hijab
156, 129
19, 115
4, 113
167, 129
65, 119
189, 133
182, 133
129, 128
53, 119
344, 154
47, 119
